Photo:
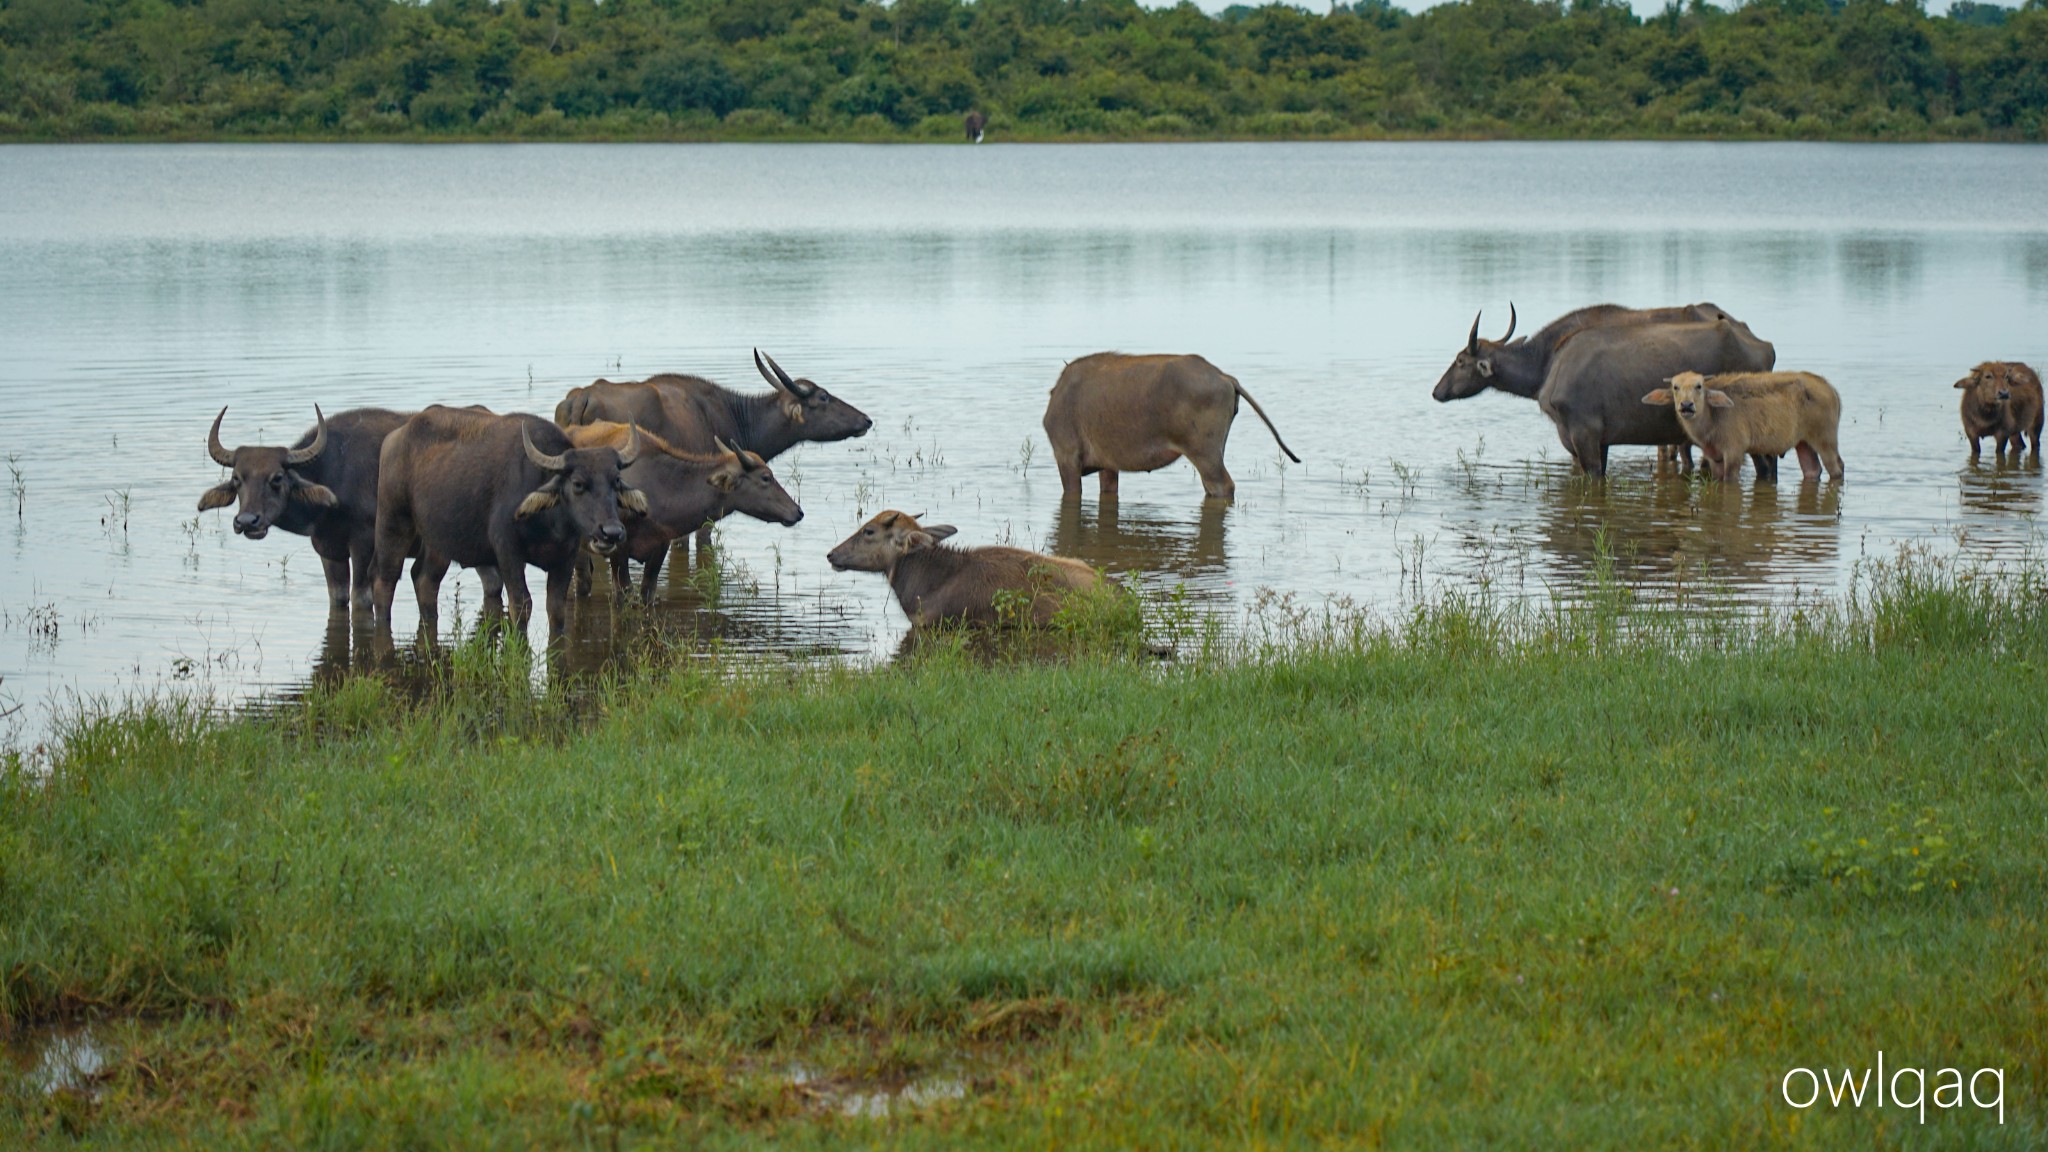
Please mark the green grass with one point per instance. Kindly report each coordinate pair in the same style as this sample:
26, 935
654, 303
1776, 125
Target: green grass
1587, 879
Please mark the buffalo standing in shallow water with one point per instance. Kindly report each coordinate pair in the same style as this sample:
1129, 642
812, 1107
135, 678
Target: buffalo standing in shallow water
684, 491
489, 491
2002, 400
323, 487
1112, 413
1594, 388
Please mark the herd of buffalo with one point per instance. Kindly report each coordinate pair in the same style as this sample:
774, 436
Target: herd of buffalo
627, 470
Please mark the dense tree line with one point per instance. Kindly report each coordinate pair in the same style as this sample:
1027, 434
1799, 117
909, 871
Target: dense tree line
1039, 68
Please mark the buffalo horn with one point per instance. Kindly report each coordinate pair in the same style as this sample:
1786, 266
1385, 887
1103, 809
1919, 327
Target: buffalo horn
541, 460
765, 373
221, 456
1510, 333
796, 388
310, 452
1472, 338
631, 451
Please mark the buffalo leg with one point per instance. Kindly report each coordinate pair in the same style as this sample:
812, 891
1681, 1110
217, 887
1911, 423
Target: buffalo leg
584, 567
518, 598
395, 539
1766, 467
336, 570
1070, 476
1216, 481
427, 572
1809, 461
1107, 481
1976, 448
558, 601
622, 575
1590, 452
362, 558
703, 540
648, 577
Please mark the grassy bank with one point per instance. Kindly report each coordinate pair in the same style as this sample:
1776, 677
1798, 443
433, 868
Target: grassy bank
1592, 879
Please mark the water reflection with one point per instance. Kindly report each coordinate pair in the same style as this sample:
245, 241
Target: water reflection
1145, 539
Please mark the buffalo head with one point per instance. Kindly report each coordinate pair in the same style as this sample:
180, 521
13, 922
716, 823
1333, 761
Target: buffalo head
586, 483
750, 487
884, 540
265, 480
1687, 393
824, 416
1989, 385
1471, 372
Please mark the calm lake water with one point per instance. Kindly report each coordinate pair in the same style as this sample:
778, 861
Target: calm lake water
941, 289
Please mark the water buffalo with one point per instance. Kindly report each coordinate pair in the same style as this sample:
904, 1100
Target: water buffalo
1112, 413
323, 487
691, 413
1594, 389
1732, 415
684, 492
975, 123
1518, 367
2001, 399
933, 582
496, 492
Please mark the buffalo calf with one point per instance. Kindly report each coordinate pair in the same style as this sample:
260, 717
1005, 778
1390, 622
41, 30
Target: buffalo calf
2002, 399
933, 582
1732, 415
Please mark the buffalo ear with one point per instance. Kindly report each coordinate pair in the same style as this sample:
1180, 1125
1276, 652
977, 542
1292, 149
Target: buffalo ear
940, 531
723, 480
793, 408
219, 496
318, 495
918, 541
1485, 368
541, 499
1660, 397
1718, 399
633, 500
1964, 383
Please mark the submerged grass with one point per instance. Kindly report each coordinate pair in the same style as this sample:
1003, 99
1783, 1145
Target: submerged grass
1590, 876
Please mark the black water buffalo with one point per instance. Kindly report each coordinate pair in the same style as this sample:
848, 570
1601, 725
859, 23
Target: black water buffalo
503, 492
975, 123
1111, 413
1517, 367
324, 487
692, 413
1598, 376
684, 491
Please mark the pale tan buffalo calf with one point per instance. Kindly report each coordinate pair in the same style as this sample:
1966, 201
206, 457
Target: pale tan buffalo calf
934, 582
1770, 413
1111, 413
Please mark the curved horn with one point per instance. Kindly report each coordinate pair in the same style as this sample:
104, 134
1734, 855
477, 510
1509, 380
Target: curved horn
630, 452
1510, 333
541, 460
221, 456
780, 374
1472, 337
310, 452
765, 373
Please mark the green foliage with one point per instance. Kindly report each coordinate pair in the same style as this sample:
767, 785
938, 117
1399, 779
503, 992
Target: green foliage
375, 69
1902, 858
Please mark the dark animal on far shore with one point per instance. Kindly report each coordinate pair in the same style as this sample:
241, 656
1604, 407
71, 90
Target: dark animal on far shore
934, 582
684, 491
2002, 399
1519, 367
1730, 416
323, 487
975, 122
503, 492
1593, 391
1112, 413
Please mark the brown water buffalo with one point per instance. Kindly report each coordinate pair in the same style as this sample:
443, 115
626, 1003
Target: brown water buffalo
933, 582
324, 487
2002, 399
1593, 391
684, 492
691, 413
1112, 413
1735, 414
502, 492
975, 123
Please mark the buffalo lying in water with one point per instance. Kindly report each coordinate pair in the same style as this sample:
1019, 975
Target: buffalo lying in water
934, 582
1112, 413
489, 491
323, 487
684, 492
